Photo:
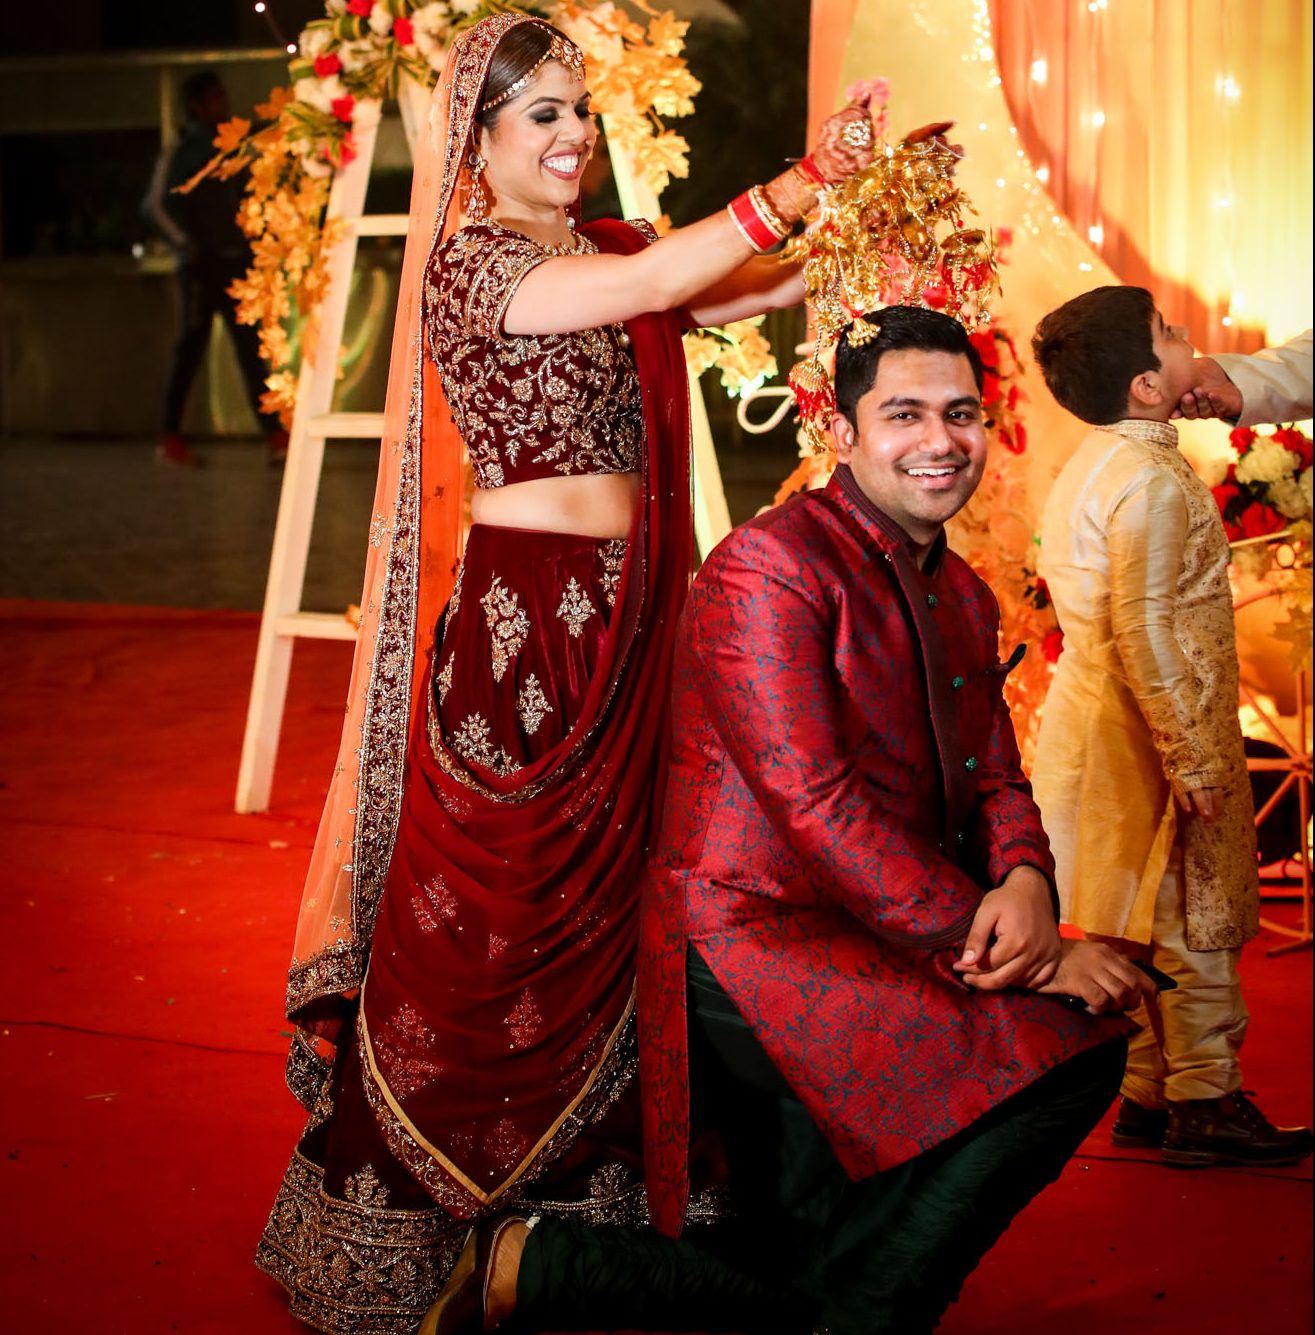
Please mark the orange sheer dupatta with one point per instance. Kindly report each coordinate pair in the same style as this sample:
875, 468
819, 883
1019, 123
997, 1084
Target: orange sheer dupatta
415, 547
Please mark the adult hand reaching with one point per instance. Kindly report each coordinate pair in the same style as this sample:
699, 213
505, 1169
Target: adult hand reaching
1107, 981
1213, 395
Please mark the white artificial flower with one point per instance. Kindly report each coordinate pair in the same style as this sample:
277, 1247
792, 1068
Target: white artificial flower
1213, 468
1266, 461
355, 54
335, 7
314, 40
1288, 498
433, 26
319, 93
314, 165
465, 6
381, 19
1304, 482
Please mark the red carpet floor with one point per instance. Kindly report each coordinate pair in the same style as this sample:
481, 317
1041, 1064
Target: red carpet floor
145, 929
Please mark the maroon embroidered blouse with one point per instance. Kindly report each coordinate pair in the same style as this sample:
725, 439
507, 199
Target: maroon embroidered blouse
535, 406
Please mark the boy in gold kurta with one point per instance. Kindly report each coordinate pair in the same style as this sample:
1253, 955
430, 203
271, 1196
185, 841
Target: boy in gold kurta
1140, 772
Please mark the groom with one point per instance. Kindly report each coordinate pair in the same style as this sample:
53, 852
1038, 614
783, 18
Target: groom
849, 950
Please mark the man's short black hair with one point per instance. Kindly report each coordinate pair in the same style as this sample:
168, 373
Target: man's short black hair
197, 87
902, 329
1092, 348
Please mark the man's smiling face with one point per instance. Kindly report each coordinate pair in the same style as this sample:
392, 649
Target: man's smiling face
920, 445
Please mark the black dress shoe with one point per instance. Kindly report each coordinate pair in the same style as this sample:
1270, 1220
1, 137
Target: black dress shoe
1231, 1130
1138, 1127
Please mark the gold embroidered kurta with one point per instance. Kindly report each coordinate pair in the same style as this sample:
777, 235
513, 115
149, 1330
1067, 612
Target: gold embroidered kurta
1144, 703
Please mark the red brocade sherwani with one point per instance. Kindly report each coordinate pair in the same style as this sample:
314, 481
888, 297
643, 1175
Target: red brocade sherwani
845, 785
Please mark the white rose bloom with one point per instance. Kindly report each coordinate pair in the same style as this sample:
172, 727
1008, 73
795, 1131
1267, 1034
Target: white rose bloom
1213, 469
317, 93
1288, 499
355, 54
465, 6
381, 21
433, 25
1266, 462
314, 41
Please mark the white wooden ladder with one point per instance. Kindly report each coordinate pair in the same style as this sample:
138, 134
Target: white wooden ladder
283, 620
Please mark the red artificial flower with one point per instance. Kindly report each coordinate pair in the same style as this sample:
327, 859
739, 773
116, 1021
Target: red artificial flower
935, 295
1259, 519
404, 32
1014, 395
1296, 441
990, 386
984, 341
1226, 493
1020, 438
361, 8
1241, 438
342, 107
328, 65
346, 152
1053, 645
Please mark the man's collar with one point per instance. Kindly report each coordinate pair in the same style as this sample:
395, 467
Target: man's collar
889, 535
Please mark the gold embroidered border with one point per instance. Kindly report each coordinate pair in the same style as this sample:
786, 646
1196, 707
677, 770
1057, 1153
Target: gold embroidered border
355, 1267
337, 968
388, 702
444, 1181
305, 1072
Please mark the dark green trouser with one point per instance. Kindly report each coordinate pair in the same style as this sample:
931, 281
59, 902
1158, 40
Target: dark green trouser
808, 1249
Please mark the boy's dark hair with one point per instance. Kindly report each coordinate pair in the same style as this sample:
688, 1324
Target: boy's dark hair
196, 87
902, 328
1092, 348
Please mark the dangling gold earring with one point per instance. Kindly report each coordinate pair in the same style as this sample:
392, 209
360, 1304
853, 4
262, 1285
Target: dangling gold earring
477, 203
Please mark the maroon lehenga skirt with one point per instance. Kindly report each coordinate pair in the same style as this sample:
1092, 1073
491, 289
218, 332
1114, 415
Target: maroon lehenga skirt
476, 1083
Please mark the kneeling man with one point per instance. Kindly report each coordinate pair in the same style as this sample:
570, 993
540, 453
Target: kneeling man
854, 884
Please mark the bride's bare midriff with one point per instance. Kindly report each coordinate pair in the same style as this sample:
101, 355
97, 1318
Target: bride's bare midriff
595, 505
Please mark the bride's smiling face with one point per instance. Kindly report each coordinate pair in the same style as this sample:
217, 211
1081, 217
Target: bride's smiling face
539, 144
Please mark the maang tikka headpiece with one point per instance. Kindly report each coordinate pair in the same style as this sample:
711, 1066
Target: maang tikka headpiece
560, 49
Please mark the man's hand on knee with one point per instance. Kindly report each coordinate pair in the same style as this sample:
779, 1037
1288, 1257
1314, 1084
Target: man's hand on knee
1107, 981
1014, 939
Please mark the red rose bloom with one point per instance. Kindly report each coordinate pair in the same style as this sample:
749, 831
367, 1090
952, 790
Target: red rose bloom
361, 8
1241, 438
1258, 519
404, 32
346, 152
1053, 645
327, 66
1225, 494
342, 107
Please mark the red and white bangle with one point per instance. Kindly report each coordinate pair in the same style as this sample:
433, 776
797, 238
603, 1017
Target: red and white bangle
756, 221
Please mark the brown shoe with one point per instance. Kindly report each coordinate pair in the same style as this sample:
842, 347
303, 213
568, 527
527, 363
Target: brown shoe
1137, 1127
480, 1291
1231, 1130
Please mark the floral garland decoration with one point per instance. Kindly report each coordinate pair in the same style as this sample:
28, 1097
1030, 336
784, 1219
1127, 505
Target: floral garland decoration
1264, 500
739, 351
356, 56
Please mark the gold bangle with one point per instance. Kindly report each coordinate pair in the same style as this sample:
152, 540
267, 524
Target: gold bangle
767, 214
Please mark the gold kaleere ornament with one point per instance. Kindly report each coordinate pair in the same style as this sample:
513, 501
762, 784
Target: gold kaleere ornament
892, 234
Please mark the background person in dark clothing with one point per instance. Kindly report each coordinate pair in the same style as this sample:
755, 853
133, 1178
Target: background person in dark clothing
212, 251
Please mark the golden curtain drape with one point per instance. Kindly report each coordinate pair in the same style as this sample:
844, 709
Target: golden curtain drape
1176, 135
